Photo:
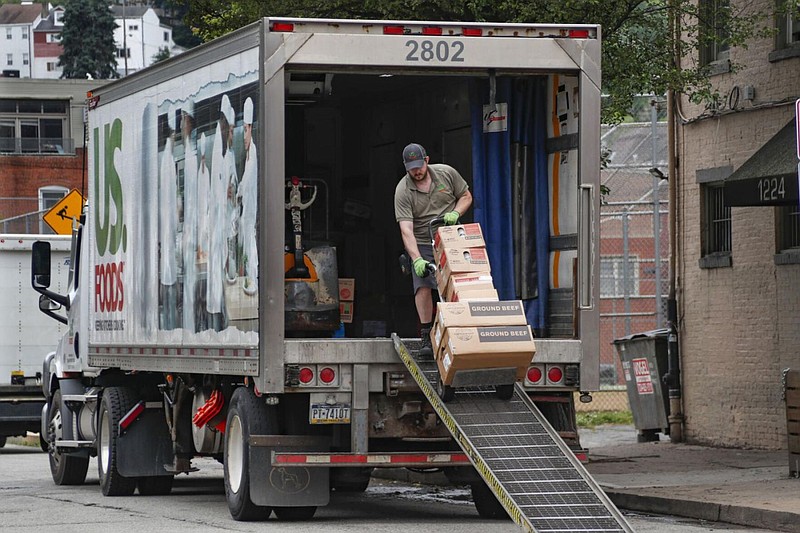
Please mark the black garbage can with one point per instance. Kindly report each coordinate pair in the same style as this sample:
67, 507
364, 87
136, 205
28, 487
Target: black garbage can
644, 361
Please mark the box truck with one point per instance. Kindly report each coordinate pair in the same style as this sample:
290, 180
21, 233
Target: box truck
231, 187
25, 333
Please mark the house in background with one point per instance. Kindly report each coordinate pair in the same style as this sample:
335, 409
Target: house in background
139, 37
47, 45
17, 22
41, 148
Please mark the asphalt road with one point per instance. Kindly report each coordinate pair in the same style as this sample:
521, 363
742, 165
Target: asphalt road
29, 501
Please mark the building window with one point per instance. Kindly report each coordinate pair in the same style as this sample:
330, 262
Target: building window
714, 23
8, 33
121, 52
166, 36
53, 37
48, 197
789, 228
716, 218
51, 66
619, 278
133, 27
788, 29
25, 59
10, 59
34, 126
59, 18
24, 33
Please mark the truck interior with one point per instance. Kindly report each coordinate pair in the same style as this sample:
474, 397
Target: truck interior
346, 131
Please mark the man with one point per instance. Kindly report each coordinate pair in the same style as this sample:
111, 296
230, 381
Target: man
424, 193
248, 191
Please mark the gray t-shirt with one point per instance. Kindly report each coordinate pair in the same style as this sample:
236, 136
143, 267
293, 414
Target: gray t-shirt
410, 203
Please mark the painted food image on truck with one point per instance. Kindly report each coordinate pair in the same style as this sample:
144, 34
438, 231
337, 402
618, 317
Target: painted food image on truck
176, 176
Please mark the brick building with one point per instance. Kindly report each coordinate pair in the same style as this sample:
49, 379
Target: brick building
738, 243
41, 147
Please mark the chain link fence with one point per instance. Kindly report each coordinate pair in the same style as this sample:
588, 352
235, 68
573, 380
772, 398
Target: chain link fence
634, 244
22, 215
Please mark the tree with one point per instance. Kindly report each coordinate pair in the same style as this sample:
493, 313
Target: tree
161, 55
643, 41
88, 40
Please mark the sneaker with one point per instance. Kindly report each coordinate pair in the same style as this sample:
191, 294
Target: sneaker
426, 350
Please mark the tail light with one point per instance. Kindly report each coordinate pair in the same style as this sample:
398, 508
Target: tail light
327, 375
534, 376
306, 376
555, 375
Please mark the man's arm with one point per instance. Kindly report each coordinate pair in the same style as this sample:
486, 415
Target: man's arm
409, 241
463, 203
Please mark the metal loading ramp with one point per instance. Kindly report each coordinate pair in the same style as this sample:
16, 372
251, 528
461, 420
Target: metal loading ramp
534, 475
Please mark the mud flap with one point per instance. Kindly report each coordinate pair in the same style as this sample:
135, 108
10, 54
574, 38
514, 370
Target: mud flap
278, 486
145, 447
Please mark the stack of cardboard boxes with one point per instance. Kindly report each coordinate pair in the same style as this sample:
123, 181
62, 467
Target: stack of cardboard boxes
472, 329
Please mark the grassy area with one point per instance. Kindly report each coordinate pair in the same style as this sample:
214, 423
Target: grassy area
599, 418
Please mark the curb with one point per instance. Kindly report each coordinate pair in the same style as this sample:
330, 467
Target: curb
710, 511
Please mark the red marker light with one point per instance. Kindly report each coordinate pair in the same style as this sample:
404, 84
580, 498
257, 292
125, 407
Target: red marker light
534, 374
472, 32
393, 30
431, 30
555, 374
327, 375
282, 26
306, 375
579, 34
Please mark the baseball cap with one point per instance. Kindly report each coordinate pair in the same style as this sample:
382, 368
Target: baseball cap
414, 156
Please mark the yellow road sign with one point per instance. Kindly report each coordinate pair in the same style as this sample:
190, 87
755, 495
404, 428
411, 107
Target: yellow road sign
60, 215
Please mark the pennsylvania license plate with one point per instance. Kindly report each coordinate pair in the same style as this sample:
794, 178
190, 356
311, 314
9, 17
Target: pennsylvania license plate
329, 414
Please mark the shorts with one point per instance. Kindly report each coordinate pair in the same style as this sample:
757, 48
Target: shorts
426, 251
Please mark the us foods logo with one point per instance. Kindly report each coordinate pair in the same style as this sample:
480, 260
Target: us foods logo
109, 237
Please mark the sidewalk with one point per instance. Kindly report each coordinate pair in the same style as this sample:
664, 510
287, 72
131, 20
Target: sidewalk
746, 487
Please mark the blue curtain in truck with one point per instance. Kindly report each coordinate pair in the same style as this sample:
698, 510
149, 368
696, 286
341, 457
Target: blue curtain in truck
511, 192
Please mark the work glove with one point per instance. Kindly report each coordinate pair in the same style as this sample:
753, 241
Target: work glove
420, 267
451, 218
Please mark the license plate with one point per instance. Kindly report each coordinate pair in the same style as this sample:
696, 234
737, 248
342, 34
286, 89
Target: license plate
329, 414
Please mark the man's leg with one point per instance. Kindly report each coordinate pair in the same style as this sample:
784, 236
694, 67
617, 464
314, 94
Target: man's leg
424, 302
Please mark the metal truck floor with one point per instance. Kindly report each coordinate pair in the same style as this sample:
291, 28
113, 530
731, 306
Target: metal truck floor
534, 475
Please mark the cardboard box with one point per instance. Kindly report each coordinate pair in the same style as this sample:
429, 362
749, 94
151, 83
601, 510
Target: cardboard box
469, 314
347, 289
459, 236
441, 282
457, 260
482, 295
485, 347
346, 312
467, 281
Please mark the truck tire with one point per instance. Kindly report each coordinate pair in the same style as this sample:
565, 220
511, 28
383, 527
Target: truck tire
486, 503
155, 485
247, 415
66, 469
2, 441
446, 392
117, 401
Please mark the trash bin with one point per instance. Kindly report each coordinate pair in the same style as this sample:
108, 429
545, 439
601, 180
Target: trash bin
644, 361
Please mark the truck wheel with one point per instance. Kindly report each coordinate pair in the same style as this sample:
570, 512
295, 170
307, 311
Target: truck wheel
486, 503
65, 468
294, 514
155, 485
2, 441
247, 415
504, 392
116, 402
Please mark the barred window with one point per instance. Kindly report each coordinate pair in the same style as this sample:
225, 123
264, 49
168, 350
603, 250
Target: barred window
716, 221
788, 228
